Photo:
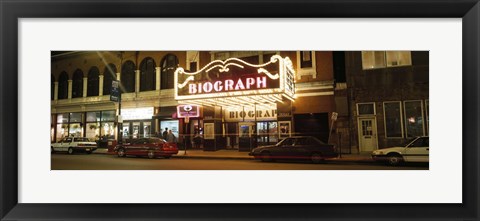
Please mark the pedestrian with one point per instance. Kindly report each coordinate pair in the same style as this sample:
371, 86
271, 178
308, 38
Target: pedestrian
171, 137
197, 140
165, 133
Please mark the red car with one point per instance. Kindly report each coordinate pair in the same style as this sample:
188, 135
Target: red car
151, 147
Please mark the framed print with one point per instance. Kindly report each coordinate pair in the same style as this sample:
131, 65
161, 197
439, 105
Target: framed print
386, 36
285, 129
209, 131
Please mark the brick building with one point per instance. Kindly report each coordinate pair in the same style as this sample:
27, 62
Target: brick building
384, 99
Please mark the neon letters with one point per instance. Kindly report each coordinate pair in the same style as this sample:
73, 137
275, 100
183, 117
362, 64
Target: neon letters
248, 83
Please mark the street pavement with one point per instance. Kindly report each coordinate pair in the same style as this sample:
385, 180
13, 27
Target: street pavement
62, 161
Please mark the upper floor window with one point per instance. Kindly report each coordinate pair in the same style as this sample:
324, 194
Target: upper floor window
77, 84
306, 64
168, 66
63, 86
92, 85
128, 77
305, 59
109, 74
382, 59
147, 75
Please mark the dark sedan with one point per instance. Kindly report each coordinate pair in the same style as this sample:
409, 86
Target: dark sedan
150, 147
292, 148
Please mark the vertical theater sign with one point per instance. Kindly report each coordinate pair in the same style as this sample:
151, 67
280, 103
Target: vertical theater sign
237, 95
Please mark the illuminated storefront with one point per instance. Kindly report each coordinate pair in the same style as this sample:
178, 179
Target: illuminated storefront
137, 122
93, 125
241, 101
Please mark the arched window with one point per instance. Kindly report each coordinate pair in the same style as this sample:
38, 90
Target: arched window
92, 86
63, 86
128, 77
109, 74
52, 87
147, 75
77, 84
169, 64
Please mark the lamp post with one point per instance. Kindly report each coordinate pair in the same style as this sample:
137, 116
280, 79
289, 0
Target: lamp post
186, 131
187, 108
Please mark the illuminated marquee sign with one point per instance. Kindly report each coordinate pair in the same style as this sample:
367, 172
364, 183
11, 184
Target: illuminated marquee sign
250, 113
235, 77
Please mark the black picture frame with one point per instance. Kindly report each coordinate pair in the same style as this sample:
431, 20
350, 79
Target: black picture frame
11, 11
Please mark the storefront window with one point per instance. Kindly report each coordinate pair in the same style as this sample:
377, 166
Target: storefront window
76, 117
62, 118
393, 119
76, 130
136, 130
62, 131
273, 132
146, 129
93, 116
108, 115
126, 130
52, 134
108, 130
171, 125
413, 118
93, 131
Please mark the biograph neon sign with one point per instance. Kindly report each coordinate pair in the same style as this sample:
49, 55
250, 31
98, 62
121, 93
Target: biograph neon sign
228, 85
235, 77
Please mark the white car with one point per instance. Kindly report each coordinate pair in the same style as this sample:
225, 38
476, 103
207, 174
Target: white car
74, 144
417, 150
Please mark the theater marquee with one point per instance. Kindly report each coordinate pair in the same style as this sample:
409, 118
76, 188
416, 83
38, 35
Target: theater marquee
234, 81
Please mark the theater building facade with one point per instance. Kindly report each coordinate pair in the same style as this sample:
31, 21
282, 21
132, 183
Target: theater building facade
231, 100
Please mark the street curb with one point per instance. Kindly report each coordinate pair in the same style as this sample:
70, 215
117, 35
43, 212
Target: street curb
211, 157
248, 158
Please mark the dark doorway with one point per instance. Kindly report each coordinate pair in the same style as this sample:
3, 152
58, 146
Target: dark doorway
312, 125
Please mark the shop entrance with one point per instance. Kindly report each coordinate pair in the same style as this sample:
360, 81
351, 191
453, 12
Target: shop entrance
136, 129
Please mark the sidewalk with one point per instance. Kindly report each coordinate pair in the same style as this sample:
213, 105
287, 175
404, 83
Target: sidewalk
363, 157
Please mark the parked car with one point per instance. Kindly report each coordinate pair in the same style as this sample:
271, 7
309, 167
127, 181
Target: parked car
151, 147
74, 144
301, 148
415, 150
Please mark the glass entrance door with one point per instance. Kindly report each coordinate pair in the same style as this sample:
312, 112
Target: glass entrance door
267, 133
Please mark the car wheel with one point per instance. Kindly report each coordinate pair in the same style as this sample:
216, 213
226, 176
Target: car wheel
394, 159
316, 158
70, 150
266, 157
151, 154
121, 152
53, 151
